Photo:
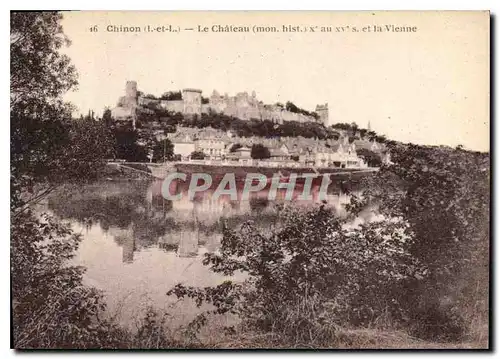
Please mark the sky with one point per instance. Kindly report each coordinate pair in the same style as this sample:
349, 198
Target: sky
430, 86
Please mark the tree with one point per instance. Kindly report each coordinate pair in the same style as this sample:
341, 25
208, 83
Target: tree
42, 131
47, 148
234, 147
260, 152
310, 275
38, 133
444, 195
107, 117
38, 70
371, 135
197, 155
163, 151
372, 159
171, 96
290, 106
126, 146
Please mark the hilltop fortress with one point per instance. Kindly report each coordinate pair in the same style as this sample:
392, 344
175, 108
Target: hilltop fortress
242, 106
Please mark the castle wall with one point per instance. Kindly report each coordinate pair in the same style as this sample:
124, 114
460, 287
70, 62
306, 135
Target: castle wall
123, 113
243, 106
205, 108
126, 101
192, 101
144, 101
173, 106
298, 117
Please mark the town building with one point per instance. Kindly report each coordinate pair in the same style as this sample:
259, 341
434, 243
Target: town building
213, 148
183, 146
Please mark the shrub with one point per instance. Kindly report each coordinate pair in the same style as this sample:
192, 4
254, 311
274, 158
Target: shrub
197, 155
311, 275
443, 193
260, 152
51, 306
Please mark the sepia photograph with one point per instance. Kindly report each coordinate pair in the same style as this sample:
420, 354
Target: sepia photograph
242, 180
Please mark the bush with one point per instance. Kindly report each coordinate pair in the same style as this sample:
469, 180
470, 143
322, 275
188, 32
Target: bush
372, 159
415, 269
51, 307
313, 274
197, 155
260, 152
444, 195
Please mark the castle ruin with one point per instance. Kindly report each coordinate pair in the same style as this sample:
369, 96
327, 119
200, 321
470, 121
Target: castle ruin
242, 106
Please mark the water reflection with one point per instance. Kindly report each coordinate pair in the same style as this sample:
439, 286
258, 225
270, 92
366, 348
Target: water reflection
137, 245
137, 216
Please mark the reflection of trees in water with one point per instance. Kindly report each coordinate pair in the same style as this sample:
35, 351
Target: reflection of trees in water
258, 203
147, 222
168, 247
128, 247
110, 205
160, 204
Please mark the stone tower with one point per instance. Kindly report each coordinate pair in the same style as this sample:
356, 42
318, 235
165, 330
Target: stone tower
126, 108
322, 111
131, 89
192, 101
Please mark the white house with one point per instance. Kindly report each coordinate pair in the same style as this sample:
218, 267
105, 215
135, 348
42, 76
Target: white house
183, 146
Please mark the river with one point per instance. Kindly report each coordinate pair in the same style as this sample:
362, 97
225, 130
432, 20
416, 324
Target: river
136, 245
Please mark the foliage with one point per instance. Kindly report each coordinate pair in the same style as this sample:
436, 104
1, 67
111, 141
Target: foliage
107, 117
163, 151
151, 333
92, 143
313, 274
51, 307
171, 96
424, 265
235, 146
242, 128
260, 152
342, 126
197, 155
47, 146
37, 69
444, 195
372, 159
126, 146
38, 133
290, 106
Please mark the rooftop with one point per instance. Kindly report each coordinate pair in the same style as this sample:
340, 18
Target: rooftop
191, 90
